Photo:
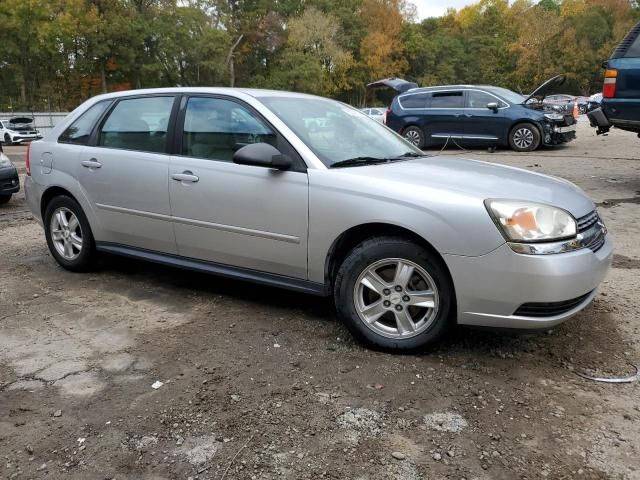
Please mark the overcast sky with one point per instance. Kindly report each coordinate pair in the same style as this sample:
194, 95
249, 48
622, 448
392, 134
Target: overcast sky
436, 8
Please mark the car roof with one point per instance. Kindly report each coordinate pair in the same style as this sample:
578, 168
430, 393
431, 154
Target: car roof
254, 92
449, 87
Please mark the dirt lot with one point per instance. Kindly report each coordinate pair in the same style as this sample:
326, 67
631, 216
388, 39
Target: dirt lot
260, 383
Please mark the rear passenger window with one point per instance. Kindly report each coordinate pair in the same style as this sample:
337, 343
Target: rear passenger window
634, 49
418, 100
214, 128
138, 124
447, 100
78, 132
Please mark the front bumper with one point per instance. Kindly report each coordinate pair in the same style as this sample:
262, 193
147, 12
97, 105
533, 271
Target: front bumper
25, 137
555, 134
9, 181
492, 287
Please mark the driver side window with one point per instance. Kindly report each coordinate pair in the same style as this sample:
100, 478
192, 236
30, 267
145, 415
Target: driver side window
215, 128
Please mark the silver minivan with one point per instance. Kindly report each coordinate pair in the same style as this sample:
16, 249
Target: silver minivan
306, 193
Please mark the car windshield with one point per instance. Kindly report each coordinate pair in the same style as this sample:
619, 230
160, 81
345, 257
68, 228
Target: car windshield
336, 132
509, 95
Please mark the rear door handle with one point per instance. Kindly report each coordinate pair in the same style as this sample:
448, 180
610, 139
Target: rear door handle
185, 176
93, 163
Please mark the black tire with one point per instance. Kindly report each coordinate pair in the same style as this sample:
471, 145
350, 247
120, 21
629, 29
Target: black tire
414, 135
524, 137
374, 250
85, 259
7, 139
5, 199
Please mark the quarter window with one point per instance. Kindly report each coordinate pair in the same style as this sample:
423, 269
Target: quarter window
78, 132
418, 100
634, 49
138, 124
447, 100
215, 128
478, 99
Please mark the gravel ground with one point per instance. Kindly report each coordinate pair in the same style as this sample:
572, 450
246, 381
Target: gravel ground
259, 383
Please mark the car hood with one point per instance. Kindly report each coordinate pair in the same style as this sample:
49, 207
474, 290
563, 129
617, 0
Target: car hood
481, 180
547, 87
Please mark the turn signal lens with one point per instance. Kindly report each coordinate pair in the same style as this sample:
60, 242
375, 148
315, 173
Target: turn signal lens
609, 87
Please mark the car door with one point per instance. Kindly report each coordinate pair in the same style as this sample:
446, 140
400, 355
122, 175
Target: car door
125, 173
445, 117
239, 215
483, 124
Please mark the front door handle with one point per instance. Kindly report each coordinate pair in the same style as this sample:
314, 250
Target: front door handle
93, 163
185, 176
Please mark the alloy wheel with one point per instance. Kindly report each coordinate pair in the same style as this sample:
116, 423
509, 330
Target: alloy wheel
66, 233
396, 298
413, 137
523, 138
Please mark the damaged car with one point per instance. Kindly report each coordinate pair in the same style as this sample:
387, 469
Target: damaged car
18, 130
480, 115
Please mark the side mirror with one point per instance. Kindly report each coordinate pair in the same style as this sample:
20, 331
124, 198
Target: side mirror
262, 155
493, 106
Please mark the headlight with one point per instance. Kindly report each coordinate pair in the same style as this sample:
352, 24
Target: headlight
4, 161
522, 221
553, 116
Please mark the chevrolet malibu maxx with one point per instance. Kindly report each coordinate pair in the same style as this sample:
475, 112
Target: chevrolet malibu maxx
305, 193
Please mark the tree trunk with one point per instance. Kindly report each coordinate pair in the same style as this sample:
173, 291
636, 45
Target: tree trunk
103, 78
230, 61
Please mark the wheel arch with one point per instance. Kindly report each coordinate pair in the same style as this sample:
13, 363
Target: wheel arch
351, 237
52, 192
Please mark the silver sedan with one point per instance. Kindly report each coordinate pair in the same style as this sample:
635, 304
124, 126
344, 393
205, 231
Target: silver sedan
306, 193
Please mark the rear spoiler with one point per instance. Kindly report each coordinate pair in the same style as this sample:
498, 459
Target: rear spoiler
397, 84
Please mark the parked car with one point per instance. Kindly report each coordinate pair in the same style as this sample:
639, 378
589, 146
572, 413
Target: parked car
621, 91
376, 113
594, 102
9, 180
480, 115
563, 101
18, 130
241, 183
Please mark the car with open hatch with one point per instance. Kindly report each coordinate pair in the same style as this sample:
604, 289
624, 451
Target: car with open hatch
306, 193
482, 115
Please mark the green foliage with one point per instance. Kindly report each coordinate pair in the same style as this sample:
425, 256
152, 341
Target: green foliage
57, 53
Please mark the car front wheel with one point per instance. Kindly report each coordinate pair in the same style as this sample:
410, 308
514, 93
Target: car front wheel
524, 137
68, 234
394, 294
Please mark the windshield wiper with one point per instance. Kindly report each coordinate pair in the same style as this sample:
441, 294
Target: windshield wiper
358, 161
350, 162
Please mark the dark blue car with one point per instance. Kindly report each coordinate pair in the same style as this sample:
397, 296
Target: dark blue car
621, 91
480, 115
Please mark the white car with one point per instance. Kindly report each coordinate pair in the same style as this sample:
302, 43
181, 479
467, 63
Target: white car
376, 113
18, 130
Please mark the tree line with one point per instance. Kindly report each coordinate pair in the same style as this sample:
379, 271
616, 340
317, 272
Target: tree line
54, 54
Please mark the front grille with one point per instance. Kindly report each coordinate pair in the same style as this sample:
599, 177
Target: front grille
551, 309
595, 239
585, 223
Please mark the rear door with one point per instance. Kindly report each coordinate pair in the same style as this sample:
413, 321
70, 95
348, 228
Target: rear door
124, 171
445, 116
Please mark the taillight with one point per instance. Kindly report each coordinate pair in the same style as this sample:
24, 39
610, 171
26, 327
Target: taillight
609, 87
27, 162
386, 113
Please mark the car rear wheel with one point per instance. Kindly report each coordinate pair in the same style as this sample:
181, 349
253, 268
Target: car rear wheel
524, 137
68, 234
393, 294
5, 199
414, 135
